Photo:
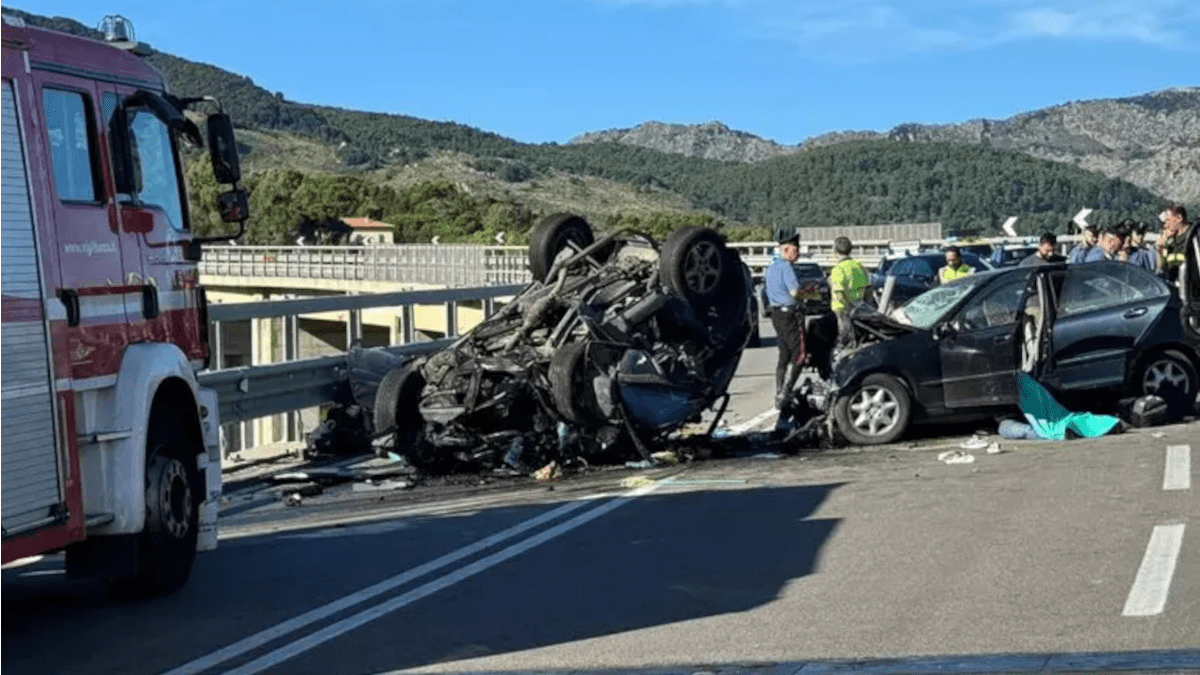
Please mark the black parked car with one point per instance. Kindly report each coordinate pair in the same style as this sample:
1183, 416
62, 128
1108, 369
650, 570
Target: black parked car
1102, 329
616, 343
916, 274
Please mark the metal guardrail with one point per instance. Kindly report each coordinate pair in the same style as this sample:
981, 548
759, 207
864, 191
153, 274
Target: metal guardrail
251, 392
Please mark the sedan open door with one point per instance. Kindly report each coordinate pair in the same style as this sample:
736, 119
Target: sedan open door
979, 348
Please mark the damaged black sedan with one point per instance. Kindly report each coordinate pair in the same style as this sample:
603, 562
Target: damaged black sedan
618, 342
1089, 333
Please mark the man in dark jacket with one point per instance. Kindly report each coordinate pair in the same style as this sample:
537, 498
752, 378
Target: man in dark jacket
1046, 253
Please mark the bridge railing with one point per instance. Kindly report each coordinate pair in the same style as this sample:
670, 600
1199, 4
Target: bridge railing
472, 265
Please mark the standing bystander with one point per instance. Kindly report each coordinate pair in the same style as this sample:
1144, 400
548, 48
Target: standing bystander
848, 283
1086, 244
955, 267
1139, 254
1171, 244
782, 288
1045, 254
1112, 240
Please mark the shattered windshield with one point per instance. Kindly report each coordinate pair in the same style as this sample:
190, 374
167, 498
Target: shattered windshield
927, 308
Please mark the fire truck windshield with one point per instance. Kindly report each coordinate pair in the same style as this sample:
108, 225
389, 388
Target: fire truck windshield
160, 185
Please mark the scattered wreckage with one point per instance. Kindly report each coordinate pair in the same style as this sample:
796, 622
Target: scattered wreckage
617, 343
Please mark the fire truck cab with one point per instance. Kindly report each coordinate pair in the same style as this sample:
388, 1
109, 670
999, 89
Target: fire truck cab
109, 445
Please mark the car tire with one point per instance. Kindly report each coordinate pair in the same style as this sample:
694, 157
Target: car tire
1171, 376
571, 385
166, 547
696, 266
875, 412
552, 236
693, 264
397, 406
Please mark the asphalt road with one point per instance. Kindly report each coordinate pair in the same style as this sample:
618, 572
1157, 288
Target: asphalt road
1047, 556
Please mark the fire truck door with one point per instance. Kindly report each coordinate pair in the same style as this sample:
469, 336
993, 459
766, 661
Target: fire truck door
154, 220
92, 282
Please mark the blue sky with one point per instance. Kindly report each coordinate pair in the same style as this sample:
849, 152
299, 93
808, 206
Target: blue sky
785, 70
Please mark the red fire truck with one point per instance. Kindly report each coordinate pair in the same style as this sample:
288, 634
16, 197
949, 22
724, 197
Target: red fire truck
109, 447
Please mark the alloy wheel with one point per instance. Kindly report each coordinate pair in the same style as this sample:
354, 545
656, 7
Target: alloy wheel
876, 411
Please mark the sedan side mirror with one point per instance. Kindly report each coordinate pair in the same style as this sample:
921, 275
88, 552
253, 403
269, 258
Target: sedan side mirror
944, 330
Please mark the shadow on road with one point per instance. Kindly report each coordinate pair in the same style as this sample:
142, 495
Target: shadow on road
661, 560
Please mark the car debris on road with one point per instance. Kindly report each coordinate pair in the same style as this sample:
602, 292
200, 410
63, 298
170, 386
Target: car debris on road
616, 344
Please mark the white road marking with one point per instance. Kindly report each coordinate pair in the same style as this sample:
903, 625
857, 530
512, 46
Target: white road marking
1178, 473
1148, 596
333, 630
752, 425
279, 630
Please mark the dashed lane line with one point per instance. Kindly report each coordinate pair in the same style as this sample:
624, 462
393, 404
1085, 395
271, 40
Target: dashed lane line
1177, 475
1148, 597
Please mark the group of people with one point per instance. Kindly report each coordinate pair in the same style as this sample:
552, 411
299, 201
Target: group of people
849, 283
1126, 242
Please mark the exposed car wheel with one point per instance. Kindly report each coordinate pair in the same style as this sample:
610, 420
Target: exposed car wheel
693, 263
174, 490
571, 376
1171, 376
696, 266
875, 412
396, 406
554, 235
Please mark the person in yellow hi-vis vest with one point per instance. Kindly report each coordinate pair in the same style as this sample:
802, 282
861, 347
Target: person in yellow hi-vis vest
955, 267
848, 283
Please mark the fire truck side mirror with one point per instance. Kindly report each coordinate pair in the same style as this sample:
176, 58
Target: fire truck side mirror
222, 149
233, 206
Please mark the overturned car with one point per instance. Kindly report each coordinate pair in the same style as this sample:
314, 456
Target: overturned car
616, 343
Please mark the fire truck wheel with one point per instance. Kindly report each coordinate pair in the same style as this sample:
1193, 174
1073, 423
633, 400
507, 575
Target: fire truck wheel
167, 545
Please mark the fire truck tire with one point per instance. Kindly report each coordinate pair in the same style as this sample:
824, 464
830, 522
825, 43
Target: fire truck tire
174, 490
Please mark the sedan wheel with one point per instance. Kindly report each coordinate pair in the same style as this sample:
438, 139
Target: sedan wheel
1172, 377
877, 412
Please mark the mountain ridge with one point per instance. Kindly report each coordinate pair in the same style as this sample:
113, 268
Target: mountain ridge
1151, 140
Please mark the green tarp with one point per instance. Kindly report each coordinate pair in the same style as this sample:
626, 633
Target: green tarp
1052, 421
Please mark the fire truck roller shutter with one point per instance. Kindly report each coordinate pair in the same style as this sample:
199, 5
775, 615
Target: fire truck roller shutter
31, 483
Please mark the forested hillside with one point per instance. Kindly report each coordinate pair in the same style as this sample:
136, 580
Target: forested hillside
502, 185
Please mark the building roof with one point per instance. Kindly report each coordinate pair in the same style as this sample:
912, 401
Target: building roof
367, 224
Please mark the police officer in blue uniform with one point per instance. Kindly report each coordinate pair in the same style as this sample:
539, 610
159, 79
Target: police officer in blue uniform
782, 288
